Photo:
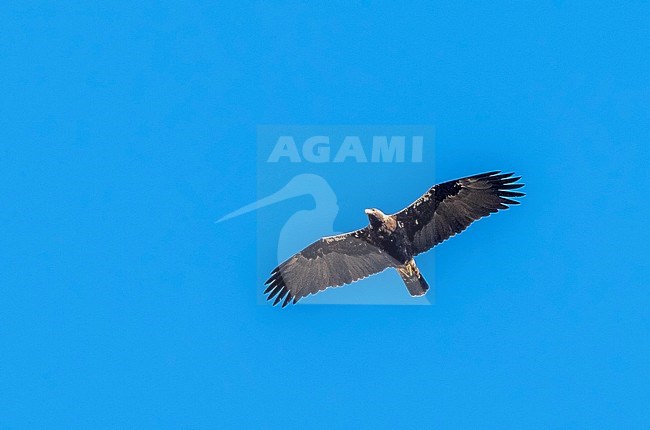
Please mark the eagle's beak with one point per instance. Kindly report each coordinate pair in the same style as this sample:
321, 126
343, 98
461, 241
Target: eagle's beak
368, 211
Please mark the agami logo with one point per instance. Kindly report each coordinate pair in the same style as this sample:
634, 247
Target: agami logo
319, 149
313, 181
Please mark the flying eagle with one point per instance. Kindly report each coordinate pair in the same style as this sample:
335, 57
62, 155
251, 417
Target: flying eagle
393, 240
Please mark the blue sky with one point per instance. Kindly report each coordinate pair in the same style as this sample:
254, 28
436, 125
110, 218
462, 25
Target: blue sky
128, 128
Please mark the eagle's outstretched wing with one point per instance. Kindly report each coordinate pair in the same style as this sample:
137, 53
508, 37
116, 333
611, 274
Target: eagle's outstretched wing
329, 262
449, 208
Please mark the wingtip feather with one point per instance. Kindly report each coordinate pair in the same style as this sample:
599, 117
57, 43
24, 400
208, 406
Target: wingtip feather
287, 300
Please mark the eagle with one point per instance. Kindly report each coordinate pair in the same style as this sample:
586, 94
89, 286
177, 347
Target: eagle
392, 241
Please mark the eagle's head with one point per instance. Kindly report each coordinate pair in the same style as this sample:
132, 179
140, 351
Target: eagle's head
376, 217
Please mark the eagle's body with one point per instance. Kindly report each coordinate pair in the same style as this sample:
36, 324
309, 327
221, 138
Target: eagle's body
384, 233
387, 232
393, 240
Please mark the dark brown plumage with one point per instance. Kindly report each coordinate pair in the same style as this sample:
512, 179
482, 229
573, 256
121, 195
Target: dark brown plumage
444, 210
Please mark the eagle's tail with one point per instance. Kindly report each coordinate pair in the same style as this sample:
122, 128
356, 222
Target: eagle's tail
413, 279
